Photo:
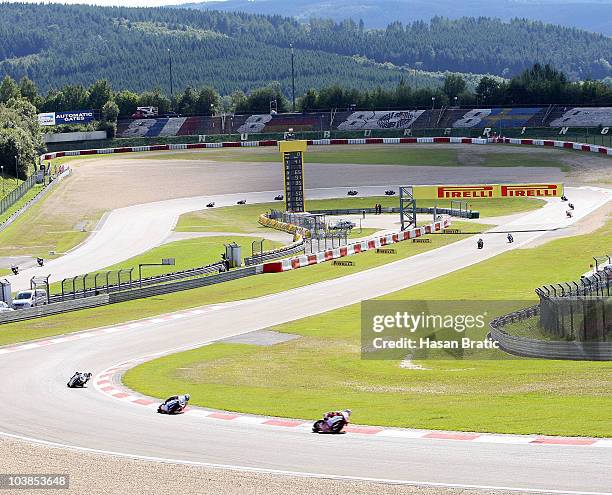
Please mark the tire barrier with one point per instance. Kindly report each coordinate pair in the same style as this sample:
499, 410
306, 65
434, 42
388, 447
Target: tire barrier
533, 348
323, 142
283, 226
351, 249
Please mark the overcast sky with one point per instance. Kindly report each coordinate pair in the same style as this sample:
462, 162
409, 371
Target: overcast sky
128, 3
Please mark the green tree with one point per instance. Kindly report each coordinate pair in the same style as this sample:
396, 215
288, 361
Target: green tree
110, 111
207, 101
20, 136
308, 102
487, 89
127, 101
8, 89
99, 93
454, 85
28, 90
187, 101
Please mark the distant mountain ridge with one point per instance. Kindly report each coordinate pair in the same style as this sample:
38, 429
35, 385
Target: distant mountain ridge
591, 15
55, 45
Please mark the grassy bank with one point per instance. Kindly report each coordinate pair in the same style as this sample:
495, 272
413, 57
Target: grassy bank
244, 218
21, 203
378, 155
323, 369
234, 290
189, 253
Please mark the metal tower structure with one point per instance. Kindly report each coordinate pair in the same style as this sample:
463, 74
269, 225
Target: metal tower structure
407, 207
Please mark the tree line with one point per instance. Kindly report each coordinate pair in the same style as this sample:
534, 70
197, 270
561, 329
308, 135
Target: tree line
538, 85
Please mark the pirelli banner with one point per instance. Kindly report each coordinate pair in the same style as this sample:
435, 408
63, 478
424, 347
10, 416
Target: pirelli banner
488, 191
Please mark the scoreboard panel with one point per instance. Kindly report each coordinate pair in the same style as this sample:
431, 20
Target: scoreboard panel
292, 153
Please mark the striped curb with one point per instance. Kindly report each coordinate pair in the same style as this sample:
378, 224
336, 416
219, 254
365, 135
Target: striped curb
352, 249
108, 382
323, 142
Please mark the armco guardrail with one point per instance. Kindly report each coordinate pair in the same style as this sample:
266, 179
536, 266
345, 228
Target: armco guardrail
117, 297
53, 309
295, 248
553, 349
182, 285
157, 279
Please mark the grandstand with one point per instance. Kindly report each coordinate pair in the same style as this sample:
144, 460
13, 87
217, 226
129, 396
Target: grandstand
501, 118
257, 124
583, 117
496, 118
402, 119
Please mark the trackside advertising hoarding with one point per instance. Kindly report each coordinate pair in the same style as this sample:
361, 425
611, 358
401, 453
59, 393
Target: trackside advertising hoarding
46, 119
487, 191
75, 117
72, 117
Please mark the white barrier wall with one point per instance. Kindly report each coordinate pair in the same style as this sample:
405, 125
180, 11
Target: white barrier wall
65, 137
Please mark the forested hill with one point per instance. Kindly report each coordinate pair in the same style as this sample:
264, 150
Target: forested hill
57, 45
592, 15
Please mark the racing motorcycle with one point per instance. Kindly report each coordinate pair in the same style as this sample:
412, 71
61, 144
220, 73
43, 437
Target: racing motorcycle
78, 380
389, 192
241, 202
174, 405
210, 205
334, 425
352, 192
280, 197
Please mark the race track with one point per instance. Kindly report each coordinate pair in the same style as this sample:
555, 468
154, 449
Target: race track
130, 231
86, 418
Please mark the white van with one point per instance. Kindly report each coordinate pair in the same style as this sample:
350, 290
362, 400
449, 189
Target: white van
29, 299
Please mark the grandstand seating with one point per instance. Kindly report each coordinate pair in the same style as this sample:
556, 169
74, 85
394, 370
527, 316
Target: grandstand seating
189, 127
402, 119
496, 118
583, 117
173, 126
257, 124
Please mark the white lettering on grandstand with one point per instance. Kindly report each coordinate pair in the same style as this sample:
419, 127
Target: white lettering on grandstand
363, 120
486, 131
605, 130
563, 130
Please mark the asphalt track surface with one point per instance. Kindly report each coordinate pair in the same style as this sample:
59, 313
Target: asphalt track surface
130, 231
87, 419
